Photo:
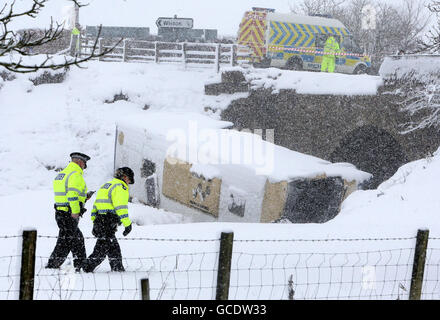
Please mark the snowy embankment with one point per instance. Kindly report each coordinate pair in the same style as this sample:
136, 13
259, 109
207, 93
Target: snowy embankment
41, 125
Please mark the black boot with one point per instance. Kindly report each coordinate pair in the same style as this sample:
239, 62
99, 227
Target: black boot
119, 268
88, 267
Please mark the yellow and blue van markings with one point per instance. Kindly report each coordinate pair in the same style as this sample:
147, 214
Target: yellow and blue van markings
310, 38
301, 35
296, 38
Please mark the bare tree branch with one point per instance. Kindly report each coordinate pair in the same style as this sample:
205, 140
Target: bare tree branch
323, 7
423, 105
431, 43
20, 44
79, 4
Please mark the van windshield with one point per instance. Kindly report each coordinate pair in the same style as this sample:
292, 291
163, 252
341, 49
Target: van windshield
322, 38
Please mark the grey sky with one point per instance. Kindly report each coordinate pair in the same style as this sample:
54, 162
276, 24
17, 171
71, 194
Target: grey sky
224, 15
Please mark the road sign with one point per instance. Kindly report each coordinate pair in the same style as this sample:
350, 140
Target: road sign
185, 23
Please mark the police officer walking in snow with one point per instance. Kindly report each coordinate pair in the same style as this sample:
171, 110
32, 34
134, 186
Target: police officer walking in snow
110, 210
70, 196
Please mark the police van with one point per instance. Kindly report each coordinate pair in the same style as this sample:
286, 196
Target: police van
296, 42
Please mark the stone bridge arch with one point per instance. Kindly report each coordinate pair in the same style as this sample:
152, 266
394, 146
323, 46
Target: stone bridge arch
373, 150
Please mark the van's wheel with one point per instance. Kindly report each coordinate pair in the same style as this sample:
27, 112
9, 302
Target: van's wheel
360, 69
294, 63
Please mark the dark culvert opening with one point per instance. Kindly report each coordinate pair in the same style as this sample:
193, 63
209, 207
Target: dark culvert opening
313, 201
372, 150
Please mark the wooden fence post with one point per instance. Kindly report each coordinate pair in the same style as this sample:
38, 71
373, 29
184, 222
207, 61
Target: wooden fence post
27, 273
217, 57
233, 55
145, 289
100, 48
415, 292
124, 51
224, 265
184, 53
156, 52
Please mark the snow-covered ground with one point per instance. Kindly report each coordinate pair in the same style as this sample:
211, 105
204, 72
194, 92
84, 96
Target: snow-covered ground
41, 125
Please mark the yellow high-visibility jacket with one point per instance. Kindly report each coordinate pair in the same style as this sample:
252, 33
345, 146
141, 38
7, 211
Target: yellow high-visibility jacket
331, 47
112, 198
70, 189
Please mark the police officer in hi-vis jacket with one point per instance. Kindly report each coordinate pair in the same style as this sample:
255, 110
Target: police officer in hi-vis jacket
331, 49
70, 192
110, 210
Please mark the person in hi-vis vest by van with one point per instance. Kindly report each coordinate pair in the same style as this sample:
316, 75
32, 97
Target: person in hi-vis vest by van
331, 48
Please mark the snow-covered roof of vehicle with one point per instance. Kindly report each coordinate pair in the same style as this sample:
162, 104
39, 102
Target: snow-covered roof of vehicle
197, 134
312, 20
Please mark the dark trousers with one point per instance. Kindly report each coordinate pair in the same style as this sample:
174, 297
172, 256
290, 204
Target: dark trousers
70, 239
104, 228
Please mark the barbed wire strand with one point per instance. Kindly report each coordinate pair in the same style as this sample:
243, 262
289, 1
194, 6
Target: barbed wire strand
251, 240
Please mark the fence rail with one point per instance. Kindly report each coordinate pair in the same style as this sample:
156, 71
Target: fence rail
200, 54
228, 268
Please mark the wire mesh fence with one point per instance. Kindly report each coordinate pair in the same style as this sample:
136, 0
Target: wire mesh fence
362, 275
9, 277
291, 269
10, 262
179, 276
431, 278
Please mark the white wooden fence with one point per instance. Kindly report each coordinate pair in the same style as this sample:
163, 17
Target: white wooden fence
201, 54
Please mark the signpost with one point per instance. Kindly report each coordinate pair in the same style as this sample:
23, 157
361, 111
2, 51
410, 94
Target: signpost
369, 15
183, 23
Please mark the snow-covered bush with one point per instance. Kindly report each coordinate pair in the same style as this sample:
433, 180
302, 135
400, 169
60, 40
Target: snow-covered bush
48, 77
423, 104
416, 78
6, 75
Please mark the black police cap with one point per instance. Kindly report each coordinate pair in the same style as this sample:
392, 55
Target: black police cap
79, 155
125, 171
